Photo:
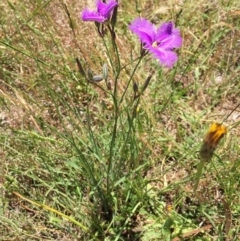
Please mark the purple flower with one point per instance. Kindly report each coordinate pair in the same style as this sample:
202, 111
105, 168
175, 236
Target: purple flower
102, 14
158, 41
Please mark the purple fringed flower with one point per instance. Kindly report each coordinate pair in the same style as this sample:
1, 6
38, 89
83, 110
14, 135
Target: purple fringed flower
158, 41
103, 12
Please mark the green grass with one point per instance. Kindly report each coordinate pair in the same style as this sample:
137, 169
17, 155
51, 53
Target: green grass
83, 161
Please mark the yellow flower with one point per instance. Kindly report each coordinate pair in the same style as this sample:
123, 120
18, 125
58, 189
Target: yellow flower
212, 138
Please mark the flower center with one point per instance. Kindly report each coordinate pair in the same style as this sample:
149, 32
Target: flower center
155, 44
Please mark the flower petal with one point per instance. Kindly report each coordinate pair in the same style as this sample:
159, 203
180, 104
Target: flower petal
105, 9
168, 37
166, 57
100, 6
88, 15
144, 30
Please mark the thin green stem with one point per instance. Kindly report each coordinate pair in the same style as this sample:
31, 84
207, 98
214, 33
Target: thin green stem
113, 140
116, 107
130, 79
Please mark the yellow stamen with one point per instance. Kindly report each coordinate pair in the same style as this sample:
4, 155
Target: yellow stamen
155, 44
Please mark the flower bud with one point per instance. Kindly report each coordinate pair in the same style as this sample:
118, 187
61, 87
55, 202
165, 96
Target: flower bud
90, 74
135, 87
105, 71
97, 78
80, 68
